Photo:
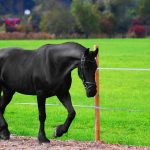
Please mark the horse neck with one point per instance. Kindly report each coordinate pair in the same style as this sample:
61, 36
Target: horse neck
67, 61
70, 62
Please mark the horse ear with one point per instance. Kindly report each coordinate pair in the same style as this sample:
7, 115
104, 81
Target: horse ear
94, 53
87, 52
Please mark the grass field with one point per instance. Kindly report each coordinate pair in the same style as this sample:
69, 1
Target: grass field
121, 92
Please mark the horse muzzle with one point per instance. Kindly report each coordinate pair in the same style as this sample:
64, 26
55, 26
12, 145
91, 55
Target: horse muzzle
90, 89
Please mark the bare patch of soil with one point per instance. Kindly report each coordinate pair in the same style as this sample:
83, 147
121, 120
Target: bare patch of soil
29, 143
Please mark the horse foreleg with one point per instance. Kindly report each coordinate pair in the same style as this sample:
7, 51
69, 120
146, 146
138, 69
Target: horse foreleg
42, 117
4, 101
66, 101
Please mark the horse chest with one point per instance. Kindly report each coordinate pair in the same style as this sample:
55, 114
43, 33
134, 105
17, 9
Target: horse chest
52, 86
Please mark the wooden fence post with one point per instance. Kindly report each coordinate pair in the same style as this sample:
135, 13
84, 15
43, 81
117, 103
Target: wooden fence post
97, 101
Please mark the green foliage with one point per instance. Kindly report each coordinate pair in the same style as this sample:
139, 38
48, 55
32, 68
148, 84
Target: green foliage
57, 20
86, 15
144, 10
61, 22
122, 11
108, 24
43, 6
144, 7
44, 24
34, 21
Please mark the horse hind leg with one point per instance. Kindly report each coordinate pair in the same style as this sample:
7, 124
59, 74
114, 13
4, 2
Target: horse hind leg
4, 101
5, 98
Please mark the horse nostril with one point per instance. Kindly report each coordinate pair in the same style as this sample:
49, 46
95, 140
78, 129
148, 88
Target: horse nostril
91, 91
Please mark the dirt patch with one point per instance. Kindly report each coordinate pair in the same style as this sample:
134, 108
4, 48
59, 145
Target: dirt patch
29, 143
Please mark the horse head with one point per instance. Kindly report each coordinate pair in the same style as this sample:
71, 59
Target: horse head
86, 71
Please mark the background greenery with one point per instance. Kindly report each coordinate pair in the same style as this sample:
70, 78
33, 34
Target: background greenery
125, 96
86, 17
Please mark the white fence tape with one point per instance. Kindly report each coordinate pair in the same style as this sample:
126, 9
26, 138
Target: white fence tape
90, 106
102, 108
126, 69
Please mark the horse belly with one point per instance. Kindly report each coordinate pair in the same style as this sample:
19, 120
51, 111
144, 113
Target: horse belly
21, 87
18, 81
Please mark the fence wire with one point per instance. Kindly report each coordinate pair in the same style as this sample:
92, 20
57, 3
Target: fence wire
126, 69
100, 107
90, 107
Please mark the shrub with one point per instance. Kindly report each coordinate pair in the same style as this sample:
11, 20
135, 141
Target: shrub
86, 15
138, 30
136, 21
57, 20
107, 24
23, 35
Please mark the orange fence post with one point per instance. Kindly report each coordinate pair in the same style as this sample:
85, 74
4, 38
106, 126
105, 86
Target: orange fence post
97, 102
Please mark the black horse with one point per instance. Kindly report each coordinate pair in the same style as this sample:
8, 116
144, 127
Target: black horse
45, 72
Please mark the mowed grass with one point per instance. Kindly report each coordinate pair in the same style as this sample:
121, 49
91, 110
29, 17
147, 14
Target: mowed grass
125, 96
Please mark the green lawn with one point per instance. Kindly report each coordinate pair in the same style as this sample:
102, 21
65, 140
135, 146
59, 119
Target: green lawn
126, 94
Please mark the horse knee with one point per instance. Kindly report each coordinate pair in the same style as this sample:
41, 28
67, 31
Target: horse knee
72, 115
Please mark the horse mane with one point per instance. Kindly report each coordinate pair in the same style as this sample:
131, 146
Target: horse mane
66, 45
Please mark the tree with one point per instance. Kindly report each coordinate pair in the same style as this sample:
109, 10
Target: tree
144, 9
86, 15
57, 20
108, 24
122, 10
44, 22
15, 8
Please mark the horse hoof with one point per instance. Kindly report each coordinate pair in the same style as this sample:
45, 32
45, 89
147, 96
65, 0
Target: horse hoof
43, 140
5, 134
58, 131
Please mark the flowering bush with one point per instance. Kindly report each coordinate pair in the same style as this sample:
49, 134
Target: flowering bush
136, 21
138, 30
